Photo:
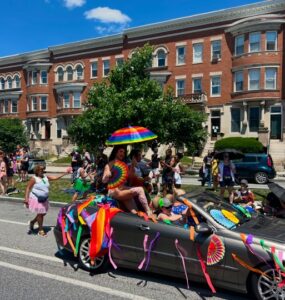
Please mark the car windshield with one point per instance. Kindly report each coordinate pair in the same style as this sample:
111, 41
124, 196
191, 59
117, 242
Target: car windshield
228, 215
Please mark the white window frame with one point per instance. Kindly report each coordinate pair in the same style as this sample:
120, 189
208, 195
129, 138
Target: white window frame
275, 79
220, 86
41, 75
178, 89
6, 106
68, 73
276, 41
2, 83
103, 67
236, 46
17, 86
91, 66
235, 81
78, 77
249, 85
234, 108
64, 102
78, 100
219, 56
32, 103
121, 60
57, 73
249, 42
193, 85
34, 78
195, 52
250, 117
177, 55
9, 82
41, 103
13, 101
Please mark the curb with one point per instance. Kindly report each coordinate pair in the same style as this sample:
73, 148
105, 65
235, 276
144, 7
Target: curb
21, 200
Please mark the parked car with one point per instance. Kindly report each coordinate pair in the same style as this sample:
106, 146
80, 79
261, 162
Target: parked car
255, 166
34, 162
130, 230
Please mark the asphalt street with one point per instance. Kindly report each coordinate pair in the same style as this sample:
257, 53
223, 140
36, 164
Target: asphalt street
32, 268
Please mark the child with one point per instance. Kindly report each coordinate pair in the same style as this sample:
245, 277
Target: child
244, 196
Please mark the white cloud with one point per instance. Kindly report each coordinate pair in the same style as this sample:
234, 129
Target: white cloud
74, 3
107, 15
105, 30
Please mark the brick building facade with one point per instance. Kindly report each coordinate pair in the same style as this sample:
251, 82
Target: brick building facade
230, 63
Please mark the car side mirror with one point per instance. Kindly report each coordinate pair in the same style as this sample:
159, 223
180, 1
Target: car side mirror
203, 228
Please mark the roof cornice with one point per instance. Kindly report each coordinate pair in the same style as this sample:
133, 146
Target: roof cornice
219, 16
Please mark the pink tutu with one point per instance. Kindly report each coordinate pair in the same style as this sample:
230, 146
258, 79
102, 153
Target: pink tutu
36, 207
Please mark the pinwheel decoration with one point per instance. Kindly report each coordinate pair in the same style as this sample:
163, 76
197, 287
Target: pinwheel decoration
216, 250
119, 174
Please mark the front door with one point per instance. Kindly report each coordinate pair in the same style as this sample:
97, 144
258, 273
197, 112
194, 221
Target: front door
275, 125
215, 124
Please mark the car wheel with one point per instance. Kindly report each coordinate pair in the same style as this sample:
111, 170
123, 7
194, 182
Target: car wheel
266, 287
261, 177
84, 258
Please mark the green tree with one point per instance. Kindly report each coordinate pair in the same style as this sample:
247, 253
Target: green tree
129, 97
12, 133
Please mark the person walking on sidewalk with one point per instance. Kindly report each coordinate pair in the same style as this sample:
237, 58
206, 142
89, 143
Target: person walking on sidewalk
36, 197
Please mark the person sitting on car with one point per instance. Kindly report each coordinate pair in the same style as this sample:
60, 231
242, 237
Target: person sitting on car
243, 195
166, 215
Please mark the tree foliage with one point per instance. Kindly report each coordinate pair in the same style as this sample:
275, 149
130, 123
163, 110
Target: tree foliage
245, 145
129, 97
12, 133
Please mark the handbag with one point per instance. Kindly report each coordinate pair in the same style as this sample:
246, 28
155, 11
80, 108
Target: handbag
41, 199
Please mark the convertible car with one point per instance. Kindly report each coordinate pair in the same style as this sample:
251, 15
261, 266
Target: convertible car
247, 254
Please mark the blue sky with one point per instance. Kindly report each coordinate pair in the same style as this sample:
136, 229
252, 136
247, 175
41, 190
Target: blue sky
29, 25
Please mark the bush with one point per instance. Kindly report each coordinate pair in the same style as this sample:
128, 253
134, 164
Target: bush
245, 145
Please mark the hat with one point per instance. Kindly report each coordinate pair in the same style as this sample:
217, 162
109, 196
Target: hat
244, 181
164, 202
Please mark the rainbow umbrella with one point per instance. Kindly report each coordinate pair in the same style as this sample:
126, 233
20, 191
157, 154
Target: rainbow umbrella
130, 135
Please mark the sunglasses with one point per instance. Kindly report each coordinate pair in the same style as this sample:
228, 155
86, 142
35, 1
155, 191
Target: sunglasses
168, 207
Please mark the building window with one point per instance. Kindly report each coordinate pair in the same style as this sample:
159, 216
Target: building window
197, 85
216, 86
180, 87
239, 45
69, 72
270, 78
216, 47
254, 79
119, 61
44, 77
94, 69
180, 55
44, 103
106, 67
10, 82
2, 84
58, 133
66, 100
79, 72
197, 53
238, 85
254, 119
34, 104
6, 107
14, 106
254, 42
34, 77
271, 41
60, 74
235, 120
17, 82
161, 58
76, 100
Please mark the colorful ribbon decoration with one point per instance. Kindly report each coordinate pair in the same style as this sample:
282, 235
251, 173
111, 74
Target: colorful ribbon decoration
78, 239
204, 269
247, 266
151, 244
145, 252
183, 262
110, 248
277, 262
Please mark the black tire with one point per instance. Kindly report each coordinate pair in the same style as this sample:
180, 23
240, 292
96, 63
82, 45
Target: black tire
261, 178
84, 259
263, 287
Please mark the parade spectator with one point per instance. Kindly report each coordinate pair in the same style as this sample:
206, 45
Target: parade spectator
36, 197
3, 174
226, 175
101, 162
10, 171
167, 172
19, 156
24, 165
243, 195
87, 161
215, 172
75, 159
155, 171
207, 165
178, 170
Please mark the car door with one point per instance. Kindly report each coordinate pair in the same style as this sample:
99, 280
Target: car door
247, 167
